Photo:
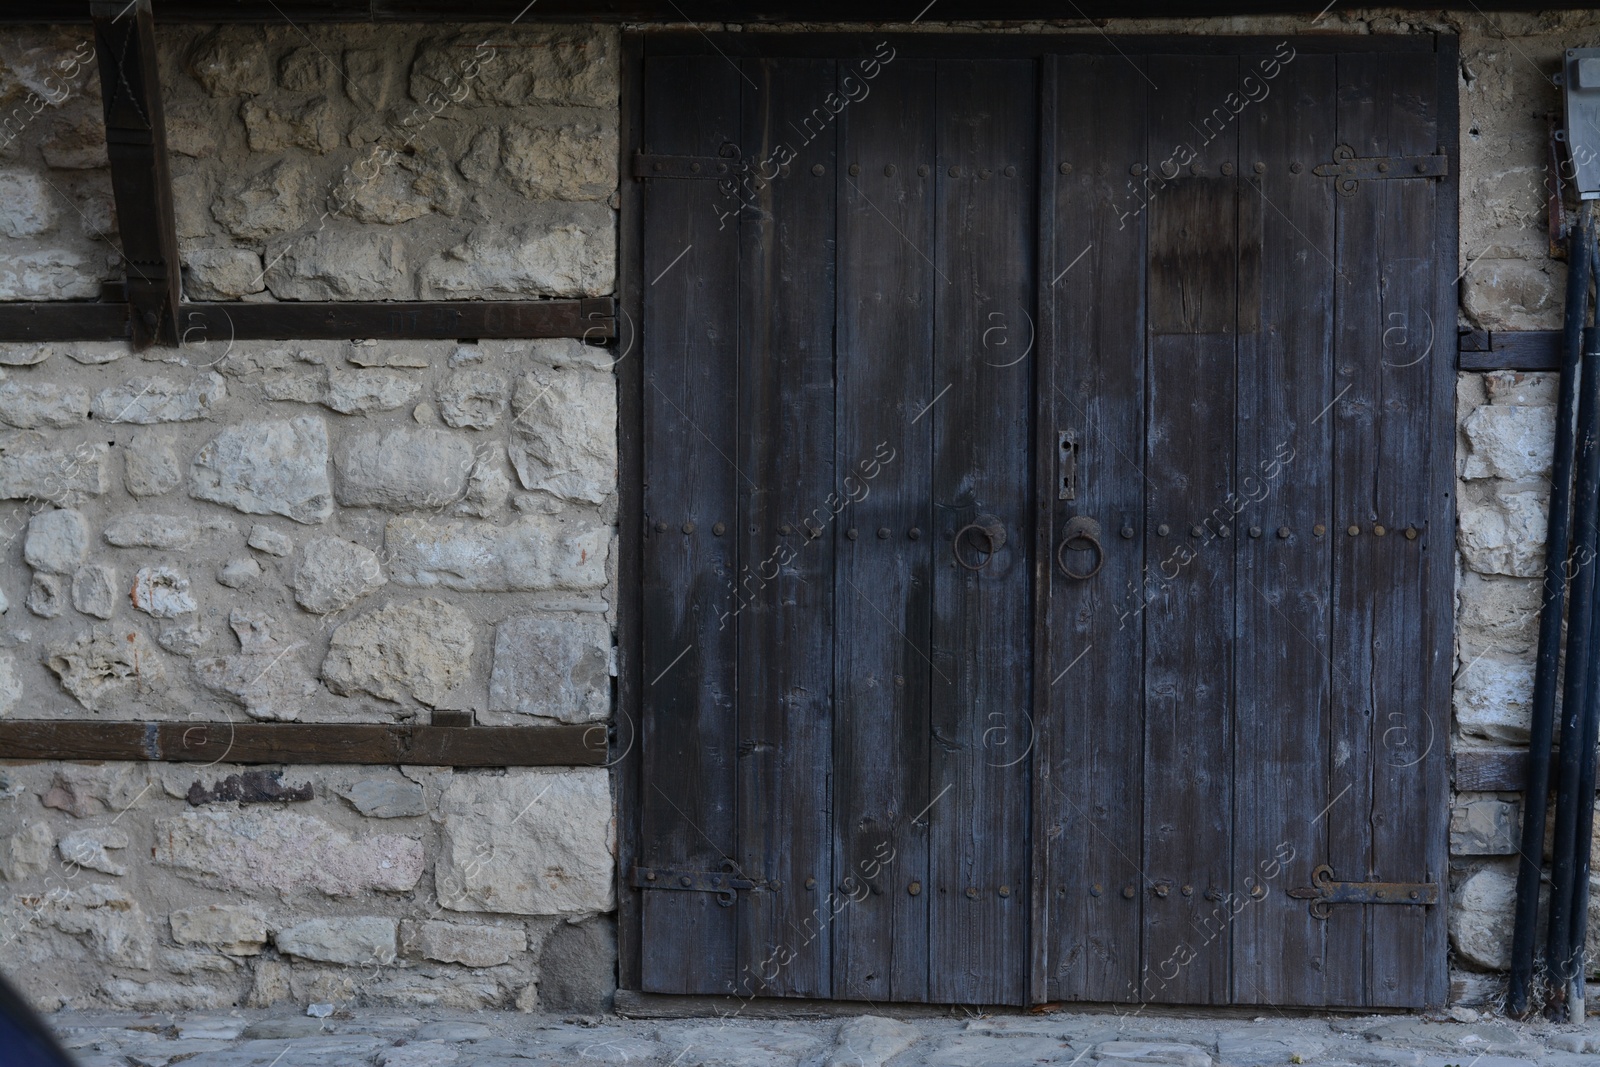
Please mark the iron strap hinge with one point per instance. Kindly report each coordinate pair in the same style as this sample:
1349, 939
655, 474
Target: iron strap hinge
648, 165
725, 884
1352, 169
1325, 891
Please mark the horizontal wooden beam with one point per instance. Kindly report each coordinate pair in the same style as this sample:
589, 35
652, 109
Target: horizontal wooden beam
64, 320
1524, 350
1494, 770
297, 742
591, 319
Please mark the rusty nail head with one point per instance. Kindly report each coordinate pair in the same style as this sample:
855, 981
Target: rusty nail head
1379, 530
1421, 167
914, 888
694, 168
811, 883
1136, 170
1163, 530
1196, 531
1296, 168
1010, 172
1127, 533
899, 681
984, 172
819, 170
688, 527
1095, 890
972, 892
1353, 531
1161, 889
1383, 168
686, 881
1224, 531
785, 529
1259, 167
719, 529
1411, 533
1319, 529
649, 876
855, 168
883, 533
1283, 532
1128, 891
716, 879
1255, 531
914, 533
955, 172
1187, 890
1005, 891
1065, 168
851, 533
661, 527
1227, 168
922, 171
888, 170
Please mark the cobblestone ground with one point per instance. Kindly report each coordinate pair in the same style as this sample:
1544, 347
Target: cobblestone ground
275, 1039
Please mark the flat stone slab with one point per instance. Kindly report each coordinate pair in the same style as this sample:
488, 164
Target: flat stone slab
983, 1050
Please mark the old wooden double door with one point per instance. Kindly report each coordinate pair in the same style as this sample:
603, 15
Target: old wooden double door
1046, 522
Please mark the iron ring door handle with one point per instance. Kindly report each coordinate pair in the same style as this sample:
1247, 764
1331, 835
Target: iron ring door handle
993, 536
1081, 534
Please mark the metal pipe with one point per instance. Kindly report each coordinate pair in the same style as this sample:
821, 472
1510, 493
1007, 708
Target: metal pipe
1575, 694
1583, 829
1547, 675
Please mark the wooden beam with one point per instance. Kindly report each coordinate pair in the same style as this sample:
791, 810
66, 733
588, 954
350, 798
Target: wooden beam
591, 319
1493, 770
136, 144
294, 742
1524, 350
64, 320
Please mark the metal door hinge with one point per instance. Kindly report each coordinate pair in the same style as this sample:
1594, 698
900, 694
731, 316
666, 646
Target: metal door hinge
650, 165
725, 883
1352, 169
1325, 891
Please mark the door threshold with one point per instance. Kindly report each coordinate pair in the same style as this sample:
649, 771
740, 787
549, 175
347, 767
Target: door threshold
632, 1004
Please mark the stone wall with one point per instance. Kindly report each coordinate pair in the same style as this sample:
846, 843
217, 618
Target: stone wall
357, 531
314, 531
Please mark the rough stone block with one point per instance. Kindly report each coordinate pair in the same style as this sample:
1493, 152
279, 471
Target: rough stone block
94, 590
273, 201
566, 250
379, 798
1497, 613
472, 399
57, 541
162, 593
1510, 441
284, 850
557, 667
272, 128
30, 405
533, 553
363, 391
403, 469
307, 70
265, 675
231, 62
470, 945
87, 848
1485, 827
75, 142
11, 690
222, 273
577, 968
24, 353
49, 274
340, 265
106, 665
422, 649
266, 539
238, 573
29, 471
547, 161
565, 439
150, 466
26, 853
262, 468
384, 189
1493, 699
334, 574
530, 842
150, 400
350, 940
1508, 294
47, 595
27, 205
147, 530
107, 919
235, 929
1502, 532
555, 65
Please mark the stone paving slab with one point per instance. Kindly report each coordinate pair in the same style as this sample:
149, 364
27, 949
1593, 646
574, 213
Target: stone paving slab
959, 1039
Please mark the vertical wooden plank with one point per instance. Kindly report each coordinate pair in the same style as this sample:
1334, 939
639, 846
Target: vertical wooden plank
690, 595
982, 400
629, 713
1189, 622
882, 589
1092, 355
785, 449
1387, 297
1284, 472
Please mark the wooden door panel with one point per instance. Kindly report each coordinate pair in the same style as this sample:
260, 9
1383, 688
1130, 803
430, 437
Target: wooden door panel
981, 398
886, 285
1284, 474
785, 452
689, 734
1092, 389
1189, 622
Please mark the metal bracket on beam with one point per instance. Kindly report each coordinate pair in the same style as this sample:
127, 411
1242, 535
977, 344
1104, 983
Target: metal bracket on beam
1352, 169
1324, 891
136, 146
